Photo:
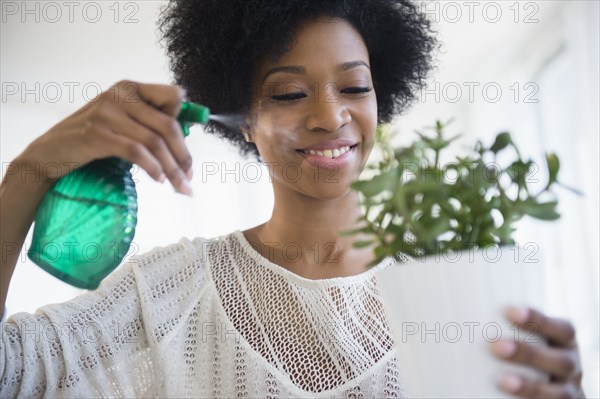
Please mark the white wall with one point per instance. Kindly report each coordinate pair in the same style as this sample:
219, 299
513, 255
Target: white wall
549, 56
547, 51
50, 69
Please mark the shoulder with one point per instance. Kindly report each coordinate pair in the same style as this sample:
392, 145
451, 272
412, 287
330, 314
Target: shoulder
187, 260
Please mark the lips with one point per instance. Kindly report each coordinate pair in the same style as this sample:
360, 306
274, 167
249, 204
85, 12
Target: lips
328, 159
336, 152
329, 145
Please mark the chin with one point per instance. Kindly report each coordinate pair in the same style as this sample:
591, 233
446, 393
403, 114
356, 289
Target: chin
326, 191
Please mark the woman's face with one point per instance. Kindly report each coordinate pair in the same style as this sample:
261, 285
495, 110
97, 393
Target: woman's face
318, 96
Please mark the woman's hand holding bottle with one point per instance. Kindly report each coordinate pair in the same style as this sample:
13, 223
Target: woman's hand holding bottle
133, 121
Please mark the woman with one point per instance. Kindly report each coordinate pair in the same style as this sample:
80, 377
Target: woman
286, 308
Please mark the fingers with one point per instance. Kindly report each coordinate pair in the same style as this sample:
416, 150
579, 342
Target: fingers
560, 363
560, 358
146, 113
108, 142
168, 129
133, 121
157, 146
559, 332
525, 388
164, 97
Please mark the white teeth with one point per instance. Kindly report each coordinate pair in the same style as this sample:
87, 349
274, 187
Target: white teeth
330, 153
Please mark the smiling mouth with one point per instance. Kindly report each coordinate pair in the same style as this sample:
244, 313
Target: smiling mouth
330, 153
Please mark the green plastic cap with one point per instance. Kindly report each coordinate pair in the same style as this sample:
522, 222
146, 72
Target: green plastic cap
192, 113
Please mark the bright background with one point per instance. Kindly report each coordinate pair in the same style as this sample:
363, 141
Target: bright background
530, 67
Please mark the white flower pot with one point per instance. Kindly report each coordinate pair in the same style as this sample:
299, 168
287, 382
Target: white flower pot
445, 310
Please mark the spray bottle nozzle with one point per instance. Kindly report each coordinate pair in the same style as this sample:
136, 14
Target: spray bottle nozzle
192, 113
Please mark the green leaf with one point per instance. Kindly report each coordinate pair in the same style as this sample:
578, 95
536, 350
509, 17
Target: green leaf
436, 227
362, 244
381, 252
437, 143
502, 140
504, 232
346, 233
379, 183
431, 175
553, 167
542, 211
518, 171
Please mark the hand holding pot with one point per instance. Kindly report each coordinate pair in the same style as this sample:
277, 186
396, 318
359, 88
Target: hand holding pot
560, 358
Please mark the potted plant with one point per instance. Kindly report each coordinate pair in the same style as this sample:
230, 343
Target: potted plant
454, 222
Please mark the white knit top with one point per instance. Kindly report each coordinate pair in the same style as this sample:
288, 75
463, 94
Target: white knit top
206, 318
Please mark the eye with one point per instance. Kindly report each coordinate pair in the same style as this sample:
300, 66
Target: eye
291, 97
357, 90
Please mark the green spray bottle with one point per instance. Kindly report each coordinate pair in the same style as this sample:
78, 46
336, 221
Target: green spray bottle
85, 224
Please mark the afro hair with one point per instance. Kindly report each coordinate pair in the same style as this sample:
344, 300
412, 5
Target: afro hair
213, 47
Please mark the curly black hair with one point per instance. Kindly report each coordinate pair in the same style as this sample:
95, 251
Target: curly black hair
214, 45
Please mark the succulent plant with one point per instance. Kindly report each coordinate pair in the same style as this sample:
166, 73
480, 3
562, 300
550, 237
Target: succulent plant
416, 206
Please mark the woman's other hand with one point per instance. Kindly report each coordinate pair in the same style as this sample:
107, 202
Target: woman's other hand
559, 358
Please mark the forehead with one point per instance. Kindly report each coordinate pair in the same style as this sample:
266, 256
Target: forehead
323, 42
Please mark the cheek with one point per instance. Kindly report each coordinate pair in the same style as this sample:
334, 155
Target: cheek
372, 114
365, 116
366, 119
278, 130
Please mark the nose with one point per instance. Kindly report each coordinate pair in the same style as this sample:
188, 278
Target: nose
328, 115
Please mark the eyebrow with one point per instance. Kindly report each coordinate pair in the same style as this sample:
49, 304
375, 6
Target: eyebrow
300, 70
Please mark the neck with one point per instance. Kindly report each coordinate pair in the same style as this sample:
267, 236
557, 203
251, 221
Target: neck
304, 219
302, 235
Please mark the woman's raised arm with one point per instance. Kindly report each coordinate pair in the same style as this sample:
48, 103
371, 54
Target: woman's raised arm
133, 121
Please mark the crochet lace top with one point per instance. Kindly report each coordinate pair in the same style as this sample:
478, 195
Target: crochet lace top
206, 318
